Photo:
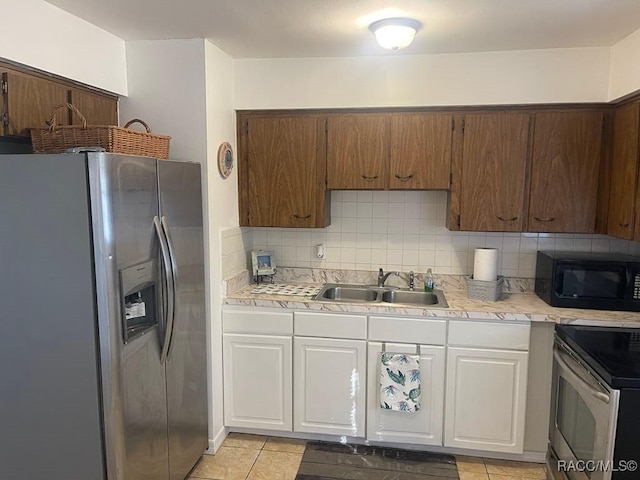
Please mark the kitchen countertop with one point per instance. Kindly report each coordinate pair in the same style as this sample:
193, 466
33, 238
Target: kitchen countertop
512, 306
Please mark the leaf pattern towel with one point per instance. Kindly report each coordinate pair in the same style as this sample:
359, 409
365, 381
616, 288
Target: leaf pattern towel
400, 382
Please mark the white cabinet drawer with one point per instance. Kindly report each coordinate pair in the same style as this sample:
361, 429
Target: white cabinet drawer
408, 330
330, 325
478, 334
256, 321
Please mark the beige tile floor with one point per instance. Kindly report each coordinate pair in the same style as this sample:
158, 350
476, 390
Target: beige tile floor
257, 457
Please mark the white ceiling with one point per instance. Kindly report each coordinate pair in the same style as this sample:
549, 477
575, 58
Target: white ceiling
339, 28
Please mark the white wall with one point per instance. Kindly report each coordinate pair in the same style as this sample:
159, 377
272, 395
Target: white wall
222, 208
40, 35
527, 76
167, 90
625, 66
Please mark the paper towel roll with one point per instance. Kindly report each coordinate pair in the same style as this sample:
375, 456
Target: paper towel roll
485, 264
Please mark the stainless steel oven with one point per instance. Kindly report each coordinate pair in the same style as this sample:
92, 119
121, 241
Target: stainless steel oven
584, 418
596, 404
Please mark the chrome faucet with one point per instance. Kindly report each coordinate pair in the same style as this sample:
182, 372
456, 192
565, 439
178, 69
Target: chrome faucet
382, 277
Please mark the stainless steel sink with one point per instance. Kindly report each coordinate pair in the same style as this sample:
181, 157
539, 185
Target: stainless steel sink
415, 298
348, 294
372, 294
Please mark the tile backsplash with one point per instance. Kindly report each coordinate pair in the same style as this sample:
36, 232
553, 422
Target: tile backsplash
405, 230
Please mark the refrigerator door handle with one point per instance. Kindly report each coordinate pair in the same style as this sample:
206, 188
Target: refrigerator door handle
168, 273
174, 276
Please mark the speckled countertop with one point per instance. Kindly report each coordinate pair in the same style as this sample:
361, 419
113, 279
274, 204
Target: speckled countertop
518, 303
512, 306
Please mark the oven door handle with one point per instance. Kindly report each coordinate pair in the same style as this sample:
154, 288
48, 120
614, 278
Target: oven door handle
559, 357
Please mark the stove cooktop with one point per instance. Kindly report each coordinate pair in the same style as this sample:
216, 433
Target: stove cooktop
614, 353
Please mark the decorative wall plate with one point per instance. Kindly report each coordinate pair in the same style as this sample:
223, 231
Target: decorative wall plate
225, 159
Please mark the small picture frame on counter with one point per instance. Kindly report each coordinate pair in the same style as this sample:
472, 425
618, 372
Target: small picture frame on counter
263, 264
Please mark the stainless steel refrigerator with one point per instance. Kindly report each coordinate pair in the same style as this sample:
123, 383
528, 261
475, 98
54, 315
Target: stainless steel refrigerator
102, 318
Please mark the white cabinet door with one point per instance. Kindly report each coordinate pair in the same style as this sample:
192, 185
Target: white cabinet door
422, 427
257, 381
486, 399
329, 386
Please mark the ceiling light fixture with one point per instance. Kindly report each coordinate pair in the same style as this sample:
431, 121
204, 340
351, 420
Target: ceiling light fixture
395, 33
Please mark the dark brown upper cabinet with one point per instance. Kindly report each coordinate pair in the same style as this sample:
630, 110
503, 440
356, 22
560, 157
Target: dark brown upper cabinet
565, 164
493, 166
357, 152
97, 109
281, 171
420, 155
622, 221
28, 102
29, 97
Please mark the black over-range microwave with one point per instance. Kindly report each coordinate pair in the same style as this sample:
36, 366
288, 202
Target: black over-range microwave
599, 281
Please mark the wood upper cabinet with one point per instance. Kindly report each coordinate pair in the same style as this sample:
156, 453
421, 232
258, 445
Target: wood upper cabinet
357, 151
28, 101
281, 171
401, 151
494, 157
624, 173
565, 164
420, 151
97, 109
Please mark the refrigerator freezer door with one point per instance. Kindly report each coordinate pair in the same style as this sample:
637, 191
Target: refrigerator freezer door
124, 203
181, 207
50, 418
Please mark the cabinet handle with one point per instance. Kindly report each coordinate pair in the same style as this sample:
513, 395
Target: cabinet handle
404, 179
623, 225
544, 220
370, 179
507, 219
301, 217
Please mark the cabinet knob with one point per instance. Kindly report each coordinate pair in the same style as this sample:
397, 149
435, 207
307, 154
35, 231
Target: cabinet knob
507, 219
302, 217
544, 220
404, 179
370, 179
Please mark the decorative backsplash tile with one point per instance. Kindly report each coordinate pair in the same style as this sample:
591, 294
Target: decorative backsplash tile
405, 230
235, 242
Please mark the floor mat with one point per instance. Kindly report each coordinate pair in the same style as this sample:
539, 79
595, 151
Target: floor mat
336, 461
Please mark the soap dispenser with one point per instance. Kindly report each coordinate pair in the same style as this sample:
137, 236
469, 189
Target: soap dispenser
428, 281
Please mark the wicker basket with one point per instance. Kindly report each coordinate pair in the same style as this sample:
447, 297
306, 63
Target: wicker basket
484, 289
114, 139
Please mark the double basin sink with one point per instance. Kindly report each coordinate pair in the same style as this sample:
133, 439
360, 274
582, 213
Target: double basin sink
372, 294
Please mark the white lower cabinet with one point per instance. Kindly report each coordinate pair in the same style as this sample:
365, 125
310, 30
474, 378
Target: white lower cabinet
486, 399
257, 358
329, 386
257, 372
309, 372
423, 427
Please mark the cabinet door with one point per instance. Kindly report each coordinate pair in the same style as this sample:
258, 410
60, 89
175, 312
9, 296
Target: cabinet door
624, 172
284, 168
564, 172
357, 152
257, 381
29, 101
493, 172
423, 427
97, 109
329, 386
420, 151
486, 399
